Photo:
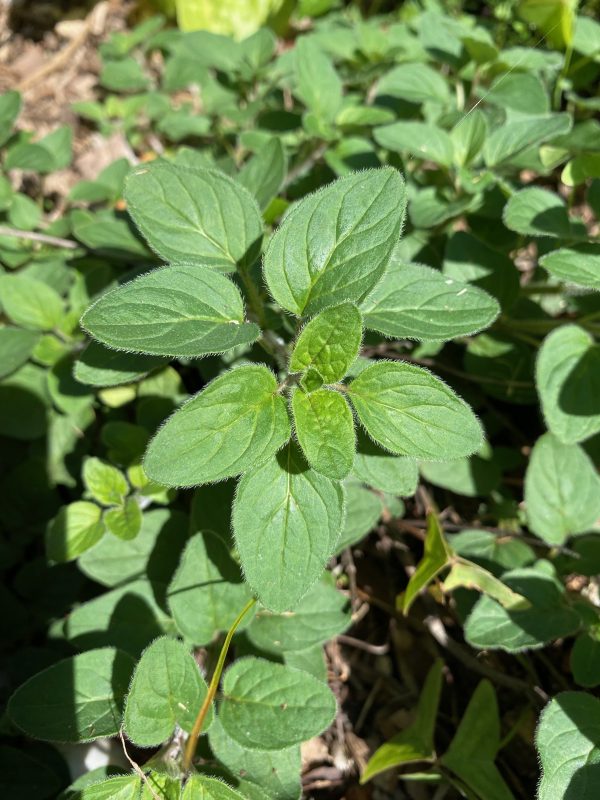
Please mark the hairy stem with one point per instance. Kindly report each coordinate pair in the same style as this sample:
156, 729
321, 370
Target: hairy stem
190, 747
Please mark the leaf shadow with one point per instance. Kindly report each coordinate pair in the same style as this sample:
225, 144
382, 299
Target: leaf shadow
580, 392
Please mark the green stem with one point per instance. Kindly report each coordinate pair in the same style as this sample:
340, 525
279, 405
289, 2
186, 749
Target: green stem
192, 742
562, 74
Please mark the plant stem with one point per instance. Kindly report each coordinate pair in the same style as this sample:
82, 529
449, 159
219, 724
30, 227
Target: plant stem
190, 747
67, 244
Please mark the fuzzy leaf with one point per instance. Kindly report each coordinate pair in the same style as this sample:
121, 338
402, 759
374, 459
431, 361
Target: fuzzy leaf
579, 264
237, 421
410, 412
335, 244
324, 427
181, 310
517, 135
389, 473
99, 366
105, 483
167, 689
329, 343
76, 528
30, 303
417, 302
299, 518
201, 787
537, 212
268, 706
194, 216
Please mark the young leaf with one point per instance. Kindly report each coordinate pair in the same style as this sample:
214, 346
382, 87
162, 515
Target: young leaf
417, 302
472, 576
436, 556
410, 412
562, 490
329, 343
278, 772
468, 137
78, 699
182, 310
267, 706
299, 518
237, 421
167, 689
125, 521
537, 212
377, 468
321, 615
99, 366
334, 246
207, 591
105, 483
415, 743
76, 528
199, 216
30, 303
472, 751
568, 742
324, 427
579, 264
568, 383
201, 787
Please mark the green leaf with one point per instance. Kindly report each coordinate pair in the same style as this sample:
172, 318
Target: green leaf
125, 521
76, 528
299, 518
320, 616
237, 421
553, 18
122, 787
329, 343
417, 302
154, 551
268, 706
10, 107
201, 787
334, 246
317, 82
30, 303
510, 139
472, 751
519, 91
550, 617
78, 699
51, 153
568, 383
194, 216
585, 658
166, 690
537, 212
472, 576
420, 139
278, 772
497, 554
324, 427
363, 509
207, 591
579, 264
124, 75
105, 483
468, 137
410, 412
377, 468
16, 345
263, 174
414, 83
436, 556
562, 490
108, 233
568, 742
176, 311
99, 366
414, 743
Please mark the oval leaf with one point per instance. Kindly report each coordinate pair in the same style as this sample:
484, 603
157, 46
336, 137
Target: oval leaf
325, 430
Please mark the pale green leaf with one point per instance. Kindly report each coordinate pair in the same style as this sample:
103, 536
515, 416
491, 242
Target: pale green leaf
568, 742
299, 519
363, 510
436, 556
99, 366
125, 521
78, 699
76, 528
317, 82
471, 576
30, 303
515, 136
519, 91
579, 264
334, 246
201, 787
269, 706
194, 216
16, 345
207, 592
263, 174
121, 787
414, 743
105, 483
562, 490
389, 473
324, 427
414, 83
417, 302
568, 383
166, 689
329, 343
468, 137
181, 310
420, 139
237, 421
410, 412
537, 212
